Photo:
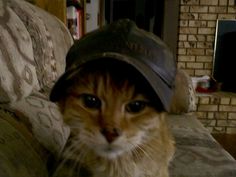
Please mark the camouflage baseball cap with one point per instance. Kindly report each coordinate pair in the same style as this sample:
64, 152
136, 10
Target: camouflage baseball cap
123, 40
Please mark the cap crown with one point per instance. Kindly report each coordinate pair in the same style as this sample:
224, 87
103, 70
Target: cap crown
123, 37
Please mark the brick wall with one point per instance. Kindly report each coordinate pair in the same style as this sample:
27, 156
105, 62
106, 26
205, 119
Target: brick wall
197, 23
217, 112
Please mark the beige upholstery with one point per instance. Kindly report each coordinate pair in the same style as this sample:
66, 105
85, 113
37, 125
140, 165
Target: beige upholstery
33, 45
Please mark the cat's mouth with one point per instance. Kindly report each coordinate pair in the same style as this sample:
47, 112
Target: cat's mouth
109, 151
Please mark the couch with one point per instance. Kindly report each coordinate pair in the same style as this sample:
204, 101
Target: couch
33, 45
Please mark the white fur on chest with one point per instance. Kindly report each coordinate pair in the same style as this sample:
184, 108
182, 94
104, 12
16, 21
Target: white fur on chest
127, 167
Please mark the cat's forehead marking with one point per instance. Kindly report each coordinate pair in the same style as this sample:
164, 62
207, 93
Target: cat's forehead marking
109, 88
106, 87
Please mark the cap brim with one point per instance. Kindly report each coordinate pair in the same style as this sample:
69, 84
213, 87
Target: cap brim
161, 88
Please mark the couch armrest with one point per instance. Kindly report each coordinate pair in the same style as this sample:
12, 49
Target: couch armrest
198, 154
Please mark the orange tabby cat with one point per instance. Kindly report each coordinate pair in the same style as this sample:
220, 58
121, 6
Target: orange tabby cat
118, 126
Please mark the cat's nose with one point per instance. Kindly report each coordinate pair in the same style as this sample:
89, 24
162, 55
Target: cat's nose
111, 134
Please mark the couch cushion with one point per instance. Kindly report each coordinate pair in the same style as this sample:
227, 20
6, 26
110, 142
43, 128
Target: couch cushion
33, 46
31, 134
19, 153
43, 119
197, 152
18, 74
50, 40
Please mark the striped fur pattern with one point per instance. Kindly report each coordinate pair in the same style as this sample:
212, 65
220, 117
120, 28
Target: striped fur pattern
118, 126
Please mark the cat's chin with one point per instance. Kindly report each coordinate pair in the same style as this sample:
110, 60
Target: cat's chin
109, 152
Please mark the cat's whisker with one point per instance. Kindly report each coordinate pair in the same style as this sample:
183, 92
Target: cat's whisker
144, 152
71, 149
103, 98
75, 152
73, 115
72, 169
135, 152
60, 166
89, 136
151, 147
75, 124
79, 157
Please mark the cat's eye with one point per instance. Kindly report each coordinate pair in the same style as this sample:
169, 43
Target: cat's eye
91, 101
135, 106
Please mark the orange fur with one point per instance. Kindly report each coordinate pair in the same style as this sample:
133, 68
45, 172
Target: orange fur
141, 146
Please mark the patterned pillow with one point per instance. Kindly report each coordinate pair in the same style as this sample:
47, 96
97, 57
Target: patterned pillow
43, 119
184, 99
33, 46
50, 40
31, 132
18, 74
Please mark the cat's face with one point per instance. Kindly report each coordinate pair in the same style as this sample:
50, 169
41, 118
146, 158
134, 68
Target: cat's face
109, 115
